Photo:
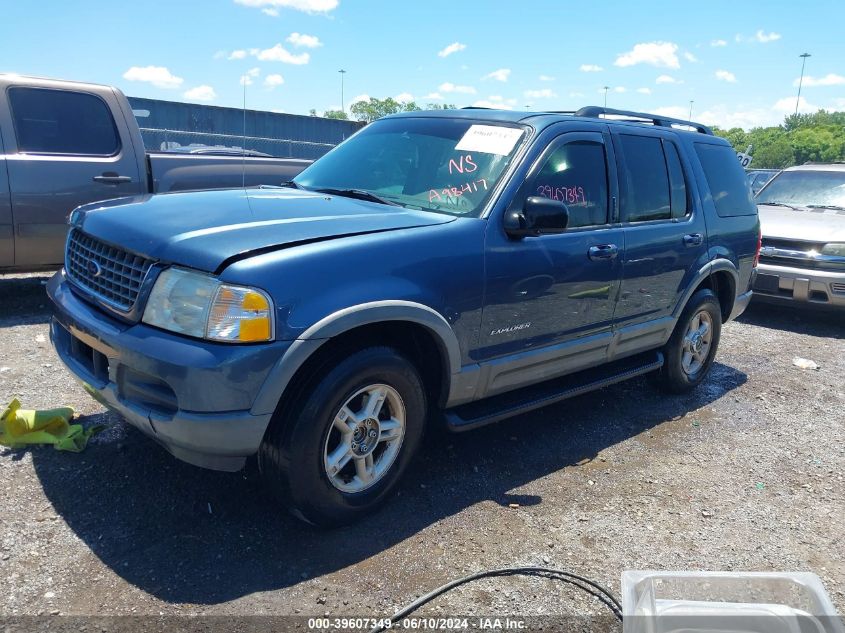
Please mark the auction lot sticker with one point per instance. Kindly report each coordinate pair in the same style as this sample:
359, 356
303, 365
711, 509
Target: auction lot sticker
489, 139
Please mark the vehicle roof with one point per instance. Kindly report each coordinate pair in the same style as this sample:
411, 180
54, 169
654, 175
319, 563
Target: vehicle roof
818, 167
537, 119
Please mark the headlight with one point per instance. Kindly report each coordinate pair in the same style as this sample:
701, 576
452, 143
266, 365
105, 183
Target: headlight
199, 305
834, 248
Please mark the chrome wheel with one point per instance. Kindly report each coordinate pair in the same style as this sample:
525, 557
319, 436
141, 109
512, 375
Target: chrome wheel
698, 340
365, 438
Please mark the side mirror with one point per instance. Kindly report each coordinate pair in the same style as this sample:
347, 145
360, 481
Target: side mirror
539, 216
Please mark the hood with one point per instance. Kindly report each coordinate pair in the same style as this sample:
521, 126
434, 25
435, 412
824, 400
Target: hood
205, 229
802, 224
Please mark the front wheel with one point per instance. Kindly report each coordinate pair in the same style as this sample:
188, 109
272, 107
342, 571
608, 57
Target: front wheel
692, 347
345, 444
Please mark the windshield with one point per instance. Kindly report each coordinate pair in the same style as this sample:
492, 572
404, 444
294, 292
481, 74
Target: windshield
434, 164
806, 188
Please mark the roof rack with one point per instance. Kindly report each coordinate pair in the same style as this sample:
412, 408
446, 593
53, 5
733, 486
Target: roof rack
640, 117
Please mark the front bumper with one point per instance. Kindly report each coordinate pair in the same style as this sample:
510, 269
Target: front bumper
193, 397
800, 286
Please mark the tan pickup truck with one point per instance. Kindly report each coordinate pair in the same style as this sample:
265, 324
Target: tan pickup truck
64, 143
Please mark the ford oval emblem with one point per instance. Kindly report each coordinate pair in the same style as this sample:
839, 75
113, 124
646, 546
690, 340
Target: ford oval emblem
94, 268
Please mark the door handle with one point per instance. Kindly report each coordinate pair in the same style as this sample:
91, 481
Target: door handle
693, 239
603, 251
112, 179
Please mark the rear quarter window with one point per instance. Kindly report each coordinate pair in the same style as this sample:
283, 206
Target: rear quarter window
727, 181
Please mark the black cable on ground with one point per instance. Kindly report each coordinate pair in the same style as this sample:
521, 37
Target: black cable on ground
591, 587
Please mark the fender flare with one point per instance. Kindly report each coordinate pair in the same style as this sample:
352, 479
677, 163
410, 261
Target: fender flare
713, 266
347, 319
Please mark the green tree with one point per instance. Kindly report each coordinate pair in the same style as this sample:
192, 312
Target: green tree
441, 106
737, 137
376, 108
335, 114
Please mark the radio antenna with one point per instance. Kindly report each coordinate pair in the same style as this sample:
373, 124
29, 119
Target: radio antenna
243, 147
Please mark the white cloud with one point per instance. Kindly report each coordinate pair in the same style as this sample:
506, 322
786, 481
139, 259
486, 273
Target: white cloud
240, 54
246, 80
590, 68
828, 80
661, 54
546, 78
307, 6
220, 55
620, 89
499, 75
272, 12
765, 38
675, 112
724, 75
644, 91
273, 81
404, 97
159, 76
280, 54
201, 93
666, 79
454, 47
300, 40
485, 103
450, 87
542, 93
436, 96
718, 43
787, 106
254, 72
690, 57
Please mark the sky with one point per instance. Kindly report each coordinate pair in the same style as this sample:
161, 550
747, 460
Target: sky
737, 61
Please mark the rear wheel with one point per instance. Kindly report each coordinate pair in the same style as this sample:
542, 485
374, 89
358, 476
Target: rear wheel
345, 444
692, 347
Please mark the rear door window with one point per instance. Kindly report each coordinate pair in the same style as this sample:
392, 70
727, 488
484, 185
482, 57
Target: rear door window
647, 194
62, 122
727, 181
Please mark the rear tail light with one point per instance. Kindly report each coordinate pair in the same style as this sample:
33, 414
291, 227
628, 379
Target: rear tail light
759, 246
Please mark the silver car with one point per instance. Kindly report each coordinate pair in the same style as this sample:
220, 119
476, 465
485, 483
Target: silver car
802, 217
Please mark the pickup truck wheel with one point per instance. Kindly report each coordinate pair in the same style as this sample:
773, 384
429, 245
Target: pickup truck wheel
352, 436
690, 351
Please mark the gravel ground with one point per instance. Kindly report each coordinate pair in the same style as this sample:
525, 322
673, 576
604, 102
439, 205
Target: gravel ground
746, 473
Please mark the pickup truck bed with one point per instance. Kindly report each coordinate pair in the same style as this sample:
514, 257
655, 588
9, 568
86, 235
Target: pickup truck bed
64, 144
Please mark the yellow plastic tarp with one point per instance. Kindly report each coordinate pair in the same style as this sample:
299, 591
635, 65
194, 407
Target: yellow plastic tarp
21, 427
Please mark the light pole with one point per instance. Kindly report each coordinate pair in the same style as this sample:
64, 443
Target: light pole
606, 88
803, 57
342, 73
690, 109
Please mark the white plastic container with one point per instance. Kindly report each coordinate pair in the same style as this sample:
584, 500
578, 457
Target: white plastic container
726, 602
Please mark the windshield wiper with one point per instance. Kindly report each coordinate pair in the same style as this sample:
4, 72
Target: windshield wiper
291, 184
835, 207
780, 204
358, 194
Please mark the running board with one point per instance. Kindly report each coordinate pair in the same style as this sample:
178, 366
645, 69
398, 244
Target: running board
496, 408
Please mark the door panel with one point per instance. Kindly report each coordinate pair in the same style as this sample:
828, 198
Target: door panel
547, 290
63, 142
661, 255
7, 241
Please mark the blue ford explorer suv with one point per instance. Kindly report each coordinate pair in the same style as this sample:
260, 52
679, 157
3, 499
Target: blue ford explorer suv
466, 265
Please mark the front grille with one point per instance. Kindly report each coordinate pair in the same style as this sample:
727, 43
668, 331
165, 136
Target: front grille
798, 254
111, 274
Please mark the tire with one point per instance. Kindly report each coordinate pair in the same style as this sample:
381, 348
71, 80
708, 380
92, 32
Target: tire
684, 368
300, 452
